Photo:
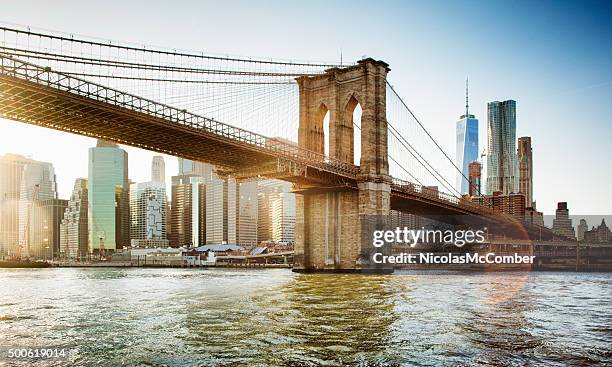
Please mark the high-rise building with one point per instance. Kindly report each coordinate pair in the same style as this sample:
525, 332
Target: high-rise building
512, 204
268, 191
148, 214
37, 183
475, 173
581, 229
158, 169
108, 197
44, 228
248, 214
599, 234
73, 228
283, 218
221, 209
562, 224
501, 159
189, 167
467, 145
525, 169
188, 211
11, 174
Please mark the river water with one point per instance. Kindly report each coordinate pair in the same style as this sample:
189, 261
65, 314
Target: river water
223, 317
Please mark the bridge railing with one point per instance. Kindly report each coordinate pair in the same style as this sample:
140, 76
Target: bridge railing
413, 188
16, 68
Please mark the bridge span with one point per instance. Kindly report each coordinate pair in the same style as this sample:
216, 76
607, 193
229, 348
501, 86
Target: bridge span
336, 196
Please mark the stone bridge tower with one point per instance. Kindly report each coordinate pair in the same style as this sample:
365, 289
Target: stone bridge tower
333, 225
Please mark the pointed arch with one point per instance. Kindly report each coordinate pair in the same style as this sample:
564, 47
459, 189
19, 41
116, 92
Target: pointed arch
352, 118
323, 129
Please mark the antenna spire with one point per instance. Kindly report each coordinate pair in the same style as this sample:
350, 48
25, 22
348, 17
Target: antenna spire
467, 105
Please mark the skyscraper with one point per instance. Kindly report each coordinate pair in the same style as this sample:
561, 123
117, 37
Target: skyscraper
44, 228
108, 195
283, 218
248, 214
581, 229
188, 211
562, 224
501, 159
37, 183
221, 209
11, 174
148, 214
475, 174
73, 228
158, 169
268, 191
467, 145
189, 167
525, 169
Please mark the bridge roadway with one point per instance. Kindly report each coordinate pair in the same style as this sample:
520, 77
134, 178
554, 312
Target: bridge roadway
40, 96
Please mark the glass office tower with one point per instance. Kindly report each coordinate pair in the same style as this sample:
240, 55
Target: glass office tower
108, 193
502, 167
467, 149
467, 146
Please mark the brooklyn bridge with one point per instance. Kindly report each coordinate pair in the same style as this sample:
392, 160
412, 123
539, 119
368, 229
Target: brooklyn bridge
341, 133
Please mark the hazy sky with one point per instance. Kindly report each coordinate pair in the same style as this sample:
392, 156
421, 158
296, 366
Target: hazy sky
553, 58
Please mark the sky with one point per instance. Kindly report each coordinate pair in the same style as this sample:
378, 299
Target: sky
553, 57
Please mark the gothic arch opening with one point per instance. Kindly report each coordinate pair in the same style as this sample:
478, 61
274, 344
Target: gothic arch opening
352, 116
323, 127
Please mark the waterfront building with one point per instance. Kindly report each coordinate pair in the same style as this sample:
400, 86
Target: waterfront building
268, 192
188, 214
467, 146
501, 159
562, 224
283, 218
248, 214
512, 204
44, 228
148, 214
158, 169
525, 169
108, 198
11, 174
475, 173
73, 227
581, 229
599, 234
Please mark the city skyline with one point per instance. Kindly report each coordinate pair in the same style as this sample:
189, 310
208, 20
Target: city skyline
547, 105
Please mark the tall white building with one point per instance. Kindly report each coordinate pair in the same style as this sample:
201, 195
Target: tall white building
11, 173
221, 209
283, 218
73, 228
248, 214
158, 169
467, 146
37, 183
148, 214
268, 191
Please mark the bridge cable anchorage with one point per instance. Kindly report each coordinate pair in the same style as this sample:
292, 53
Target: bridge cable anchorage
429, 135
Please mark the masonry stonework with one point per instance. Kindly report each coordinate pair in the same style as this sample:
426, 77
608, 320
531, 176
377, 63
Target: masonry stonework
333, 225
